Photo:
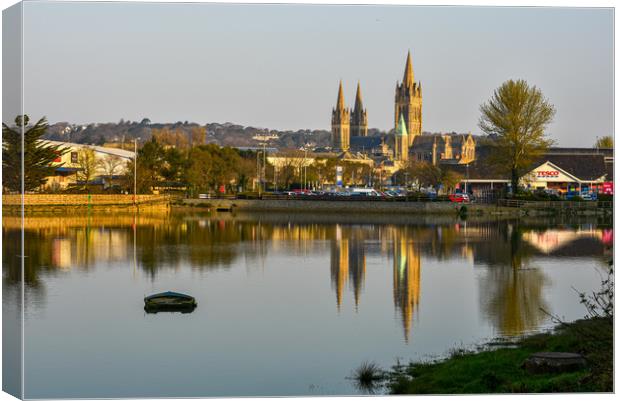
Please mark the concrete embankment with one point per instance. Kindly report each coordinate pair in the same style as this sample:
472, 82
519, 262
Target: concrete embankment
358, 206
62, 203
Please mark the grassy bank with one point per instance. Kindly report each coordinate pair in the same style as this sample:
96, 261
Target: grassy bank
500, 370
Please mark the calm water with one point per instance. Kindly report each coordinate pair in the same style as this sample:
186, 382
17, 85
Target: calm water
286, 305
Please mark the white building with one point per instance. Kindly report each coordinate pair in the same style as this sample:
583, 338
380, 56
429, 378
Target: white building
109, 163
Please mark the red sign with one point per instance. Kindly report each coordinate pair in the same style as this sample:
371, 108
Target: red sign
608, 188
551, 173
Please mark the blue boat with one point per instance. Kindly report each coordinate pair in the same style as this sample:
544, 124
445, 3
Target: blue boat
169, 301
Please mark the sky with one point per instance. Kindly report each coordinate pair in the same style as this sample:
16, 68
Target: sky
278, 66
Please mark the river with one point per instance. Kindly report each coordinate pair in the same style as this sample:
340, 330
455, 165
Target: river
287, 305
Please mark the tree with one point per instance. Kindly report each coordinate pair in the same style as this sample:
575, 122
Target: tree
606, 142
38, 156
517, 115
150, 161
425, 173
87, 163
198, 136
110, 165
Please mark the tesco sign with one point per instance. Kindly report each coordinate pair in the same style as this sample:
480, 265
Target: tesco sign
547, 174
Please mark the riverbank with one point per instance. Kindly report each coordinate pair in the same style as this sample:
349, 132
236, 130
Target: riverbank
360, 206
501, 370
343, 207
36, 204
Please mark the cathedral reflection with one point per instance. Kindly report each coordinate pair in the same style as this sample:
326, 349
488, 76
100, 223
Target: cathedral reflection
347, 262
406, 277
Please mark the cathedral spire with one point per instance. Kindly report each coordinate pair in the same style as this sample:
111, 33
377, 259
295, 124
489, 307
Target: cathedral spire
340, 101
359, 117
408, 77
358, 98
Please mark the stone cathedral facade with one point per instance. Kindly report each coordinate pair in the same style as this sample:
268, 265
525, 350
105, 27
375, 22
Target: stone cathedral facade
408, 102
405, 141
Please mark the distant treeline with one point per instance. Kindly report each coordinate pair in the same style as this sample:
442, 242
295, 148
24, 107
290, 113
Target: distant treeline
124, 132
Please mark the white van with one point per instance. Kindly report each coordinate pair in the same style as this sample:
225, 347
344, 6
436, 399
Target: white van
364, 192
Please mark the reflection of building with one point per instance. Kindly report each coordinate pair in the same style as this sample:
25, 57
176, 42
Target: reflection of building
83, 246
357, 267
339, 266
406, 280
551, 240
348, 261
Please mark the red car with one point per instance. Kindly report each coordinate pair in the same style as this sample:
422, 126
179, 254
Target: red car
459, 198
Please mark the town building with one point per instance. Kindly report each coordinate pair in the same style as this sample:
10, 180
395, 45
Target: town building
560, 170
449, 148
108, 164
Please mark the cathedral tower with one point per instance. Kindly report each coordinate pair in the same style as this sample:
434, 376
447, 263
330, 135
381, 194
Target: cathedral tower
341, 117
359, 117
408, 102
401, 141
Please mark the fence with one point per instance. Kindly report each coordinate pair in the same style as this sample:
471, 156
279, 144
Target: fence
555, 204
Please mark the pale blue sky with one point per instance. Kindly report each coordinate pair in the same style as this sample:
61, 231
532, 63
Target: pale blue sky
278, 66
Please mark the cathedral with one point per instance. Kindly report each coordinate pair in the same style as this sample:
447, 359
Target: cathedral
406, 140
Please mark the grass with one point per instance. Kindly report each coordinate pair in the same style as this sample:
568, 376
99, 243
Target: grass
500, 370
368, 376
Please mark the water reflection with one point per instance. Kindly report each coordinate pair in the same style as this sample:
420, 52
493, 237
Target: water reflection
406, 272
511, 285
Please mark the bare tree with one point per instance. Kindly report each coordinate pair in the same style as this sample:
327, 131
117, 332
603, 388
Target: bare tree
87, 164
110, 165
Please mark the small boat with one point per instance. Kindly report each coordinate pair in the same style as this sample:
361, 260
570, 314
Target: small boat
169, 301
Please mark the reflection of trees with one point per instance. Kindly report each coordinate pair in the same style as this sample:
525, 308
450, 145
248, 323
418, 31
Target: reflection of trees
512, 292
37, 261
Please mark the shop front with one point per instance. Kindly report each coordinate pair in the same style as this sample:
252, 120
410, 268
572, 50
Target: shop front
555, 179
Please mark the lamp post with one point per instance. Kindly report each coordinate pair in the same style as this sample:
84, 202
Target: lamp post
467, 180
135, 170
264, 169
258, 172
305, 171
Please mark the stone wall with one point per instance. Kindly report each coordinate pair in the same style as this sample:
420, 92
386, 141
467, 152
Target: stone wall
299, 206
81, 199
37, 204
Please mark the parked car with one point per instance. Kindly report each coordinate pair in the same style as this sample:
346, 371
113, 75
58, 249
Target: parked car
589, 196
459, 198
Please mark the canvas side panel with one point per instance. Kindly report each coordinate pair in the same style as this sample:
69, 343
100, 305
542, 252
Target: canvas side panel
12, 236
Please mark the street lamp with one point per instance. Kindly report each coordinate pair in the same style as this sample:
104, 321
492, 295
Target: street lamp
135, 170
467, 180
305, 171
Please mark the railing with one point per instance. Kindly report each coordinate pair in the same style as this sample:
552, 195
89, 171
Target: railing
337, 198
517, 203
